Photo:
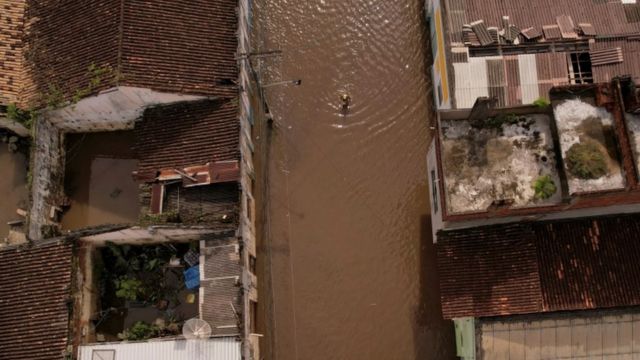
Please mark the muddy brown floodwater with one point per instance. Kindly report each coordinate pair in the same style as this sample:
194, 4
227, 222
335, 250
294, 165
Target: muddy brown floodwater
347, 265
13, 186
99, 181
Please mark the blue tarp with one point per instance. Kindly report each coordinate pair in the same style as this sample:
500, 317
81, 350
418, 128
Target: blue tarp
192, 277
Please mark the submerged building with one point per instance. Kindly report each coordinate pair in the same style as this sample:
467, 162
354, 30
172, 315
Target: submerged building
534, 176
140, 217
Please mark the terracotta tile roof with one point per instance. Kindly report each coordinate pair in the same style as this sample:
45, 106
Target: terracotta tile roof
11, 47
184, 46
186, 134
65, 38
34, 287
187, 47
477, 280
524, 268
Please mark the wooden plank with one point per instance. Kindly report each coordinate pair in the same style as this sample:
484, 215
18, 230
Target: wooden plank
157, 198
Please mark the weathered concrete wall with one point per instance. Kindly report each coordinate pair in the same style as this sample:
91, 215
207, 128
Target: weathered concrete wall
14, 127
47, 174
250, 349
434, 191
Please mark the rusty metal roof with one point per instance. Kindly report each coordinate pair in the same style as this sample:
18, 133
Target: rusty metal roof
587, 29
606, 17
512, 79
524, 268
606, 56
481, 31
207, 174
531, 33
551, 32
35, 286
567, 28
630, 55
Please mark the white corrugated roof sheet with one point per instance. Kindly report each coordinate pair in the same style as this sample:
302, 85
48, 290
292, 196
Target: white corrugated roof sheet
224, 348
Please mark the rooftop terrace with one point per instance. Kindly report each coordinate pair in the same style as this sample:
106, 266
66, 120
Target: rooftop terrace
497, 161
580, 150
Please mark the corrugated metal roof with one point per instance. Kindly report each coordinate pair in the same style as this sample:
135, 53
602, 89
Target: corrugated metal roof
560, 22
470, 82
630, 65
459, 55
587, 29
607, 18
551, 32
531, 33
515, 32
481, 31
523, 268
632, 12
606, 56
513, 80
528, 71
567, 28
224, 348
612, 334
495, 34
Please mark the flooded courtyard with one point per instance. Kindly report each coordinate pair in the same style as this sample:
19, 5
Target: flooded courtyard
347, 264
13, 186
99, 180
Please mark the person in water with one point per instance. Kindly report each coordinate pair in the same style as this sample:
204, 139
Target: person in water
346, 101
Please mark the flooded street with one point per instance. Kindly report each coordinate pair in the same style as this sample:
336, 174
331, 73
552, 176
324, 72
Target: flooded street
346, 262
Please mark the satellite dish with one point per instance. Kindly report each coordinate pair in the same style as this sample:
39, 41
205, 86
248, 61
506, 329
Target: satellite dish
196, 329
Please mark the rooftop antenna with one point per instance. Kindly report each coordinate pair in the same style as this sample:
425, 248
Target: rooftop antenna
297, 82
194, 329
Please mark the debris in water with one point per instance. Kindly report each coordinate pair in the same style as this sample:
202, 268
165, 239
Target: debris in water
115, 193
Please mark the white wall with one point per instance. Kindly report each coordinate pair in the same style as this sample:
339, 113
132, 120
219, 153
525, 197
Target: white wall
225, 348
